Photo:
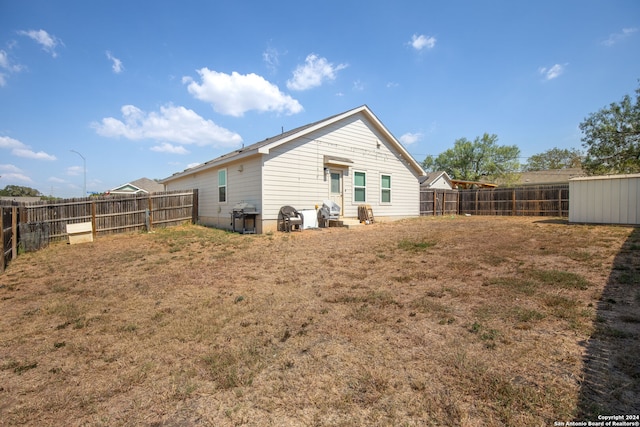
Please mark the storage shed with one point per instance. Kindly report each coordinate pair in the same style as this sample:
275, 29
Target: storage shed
610, 199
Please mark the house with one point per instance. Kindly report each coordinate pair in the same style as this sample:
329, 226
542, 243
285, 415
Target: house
142, 185
351, 159
436, 180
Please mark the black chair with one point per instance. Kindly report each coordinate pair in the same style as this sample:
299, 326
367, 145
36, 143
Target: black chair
289, 218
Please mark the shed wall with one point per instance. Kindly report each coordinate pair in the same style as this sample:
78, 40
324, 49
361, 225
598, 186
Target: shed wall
605, 200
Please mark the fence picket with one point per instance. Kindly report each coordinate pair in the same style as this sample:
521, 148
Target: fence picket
544, 200
108, 215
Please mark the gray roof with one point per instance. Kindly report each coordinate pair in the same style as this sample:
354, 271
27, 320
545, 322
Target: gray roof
431, 177
146, 184
255, 148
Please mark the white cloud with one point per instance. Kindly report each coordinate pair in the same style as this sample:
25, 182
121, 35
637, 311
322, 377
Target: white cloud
193, 165
48, 42
117, 64
6, 64
313, 73
75, 170
419, 42
16, 177
236, 94
358, 86
552, 72
177, 125
56, 180
271, 58
13, 173
410, 138
618, 37
10, 168
20, 149
165, 147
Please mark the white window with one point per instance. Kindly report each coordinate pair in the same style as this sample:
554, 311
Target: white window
385, 188
222, 186
359, 187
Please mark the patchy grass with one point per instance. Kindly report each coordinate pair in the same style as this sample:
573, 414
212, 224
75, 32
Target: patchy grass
436, 321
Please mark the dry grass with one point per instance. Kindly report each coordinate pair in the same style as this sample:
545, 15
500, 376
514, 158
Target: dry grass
447, 321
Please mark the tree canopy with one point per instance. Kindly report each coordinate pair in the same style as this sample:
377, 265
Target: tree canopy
19, 191
473, 160
554, 158
612, 138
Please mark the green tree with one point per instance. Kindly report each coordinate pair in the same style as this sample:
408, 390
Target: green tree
471, 161
19, 191
555, 158
612, 138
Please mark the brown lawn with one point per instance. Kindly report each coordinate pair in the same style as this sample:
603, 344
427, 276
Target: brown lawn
467, 321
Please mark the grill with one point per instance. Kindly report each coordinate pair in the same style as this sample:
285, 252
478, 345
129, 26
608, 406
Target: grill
247, 213
328, 211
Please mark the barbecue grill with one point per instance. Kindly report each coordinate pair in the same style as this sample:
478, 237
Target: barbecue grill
245, 212
329, 211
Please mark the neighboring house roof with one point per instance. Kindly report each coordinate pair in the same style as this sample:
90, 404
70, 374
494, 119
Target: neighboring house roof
264, 147
463, 185
142, 185
432, 177
548, 177
20, 199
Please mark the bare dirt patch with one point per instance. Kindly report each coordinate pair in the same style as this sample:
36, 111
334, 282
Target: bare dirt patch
431, 321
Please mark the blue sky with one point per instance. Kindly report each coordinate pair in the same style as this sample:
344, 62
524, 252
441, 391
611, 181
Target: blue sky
148, 88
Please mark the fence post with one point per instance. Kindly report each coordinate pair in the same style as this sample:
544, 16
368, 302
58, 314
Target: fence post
477, 191
1, 239
560, 203
93, 218
14, 233
435, 202
150, 213
444, 203
194, 207
513, 206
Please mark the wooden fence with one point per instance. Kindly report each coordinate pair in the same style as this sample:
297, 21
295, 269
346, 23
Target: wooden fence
32, 226
438, 202
543, 200
9, 235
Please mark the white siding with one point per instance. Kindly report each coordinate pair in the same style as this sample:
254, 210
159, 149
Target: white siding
605, 200
243, 185
441, 184
294, 172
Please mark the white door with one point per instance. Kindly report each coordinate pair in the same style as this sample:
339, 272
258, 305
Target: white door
335, 188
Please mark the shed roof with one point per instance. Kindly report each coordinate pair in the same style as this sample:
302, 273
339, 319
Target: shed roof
600, 177
263, 147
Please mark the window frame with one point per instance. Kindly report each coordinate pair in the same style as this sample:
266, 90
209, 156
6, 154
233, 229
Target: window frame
225, 186
359, 187
384, 189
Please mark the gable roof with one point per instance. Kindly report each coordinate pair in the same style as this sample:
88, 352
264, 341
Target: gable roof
265, 146
432, 177
143, 184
